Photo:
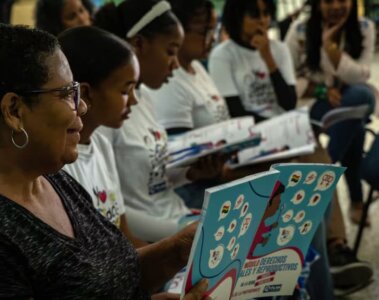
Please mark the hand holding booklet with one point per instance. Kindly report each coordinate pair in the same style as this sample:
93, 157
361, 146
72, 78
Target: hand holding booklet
285, 136
255, 232
282, 137
226, 137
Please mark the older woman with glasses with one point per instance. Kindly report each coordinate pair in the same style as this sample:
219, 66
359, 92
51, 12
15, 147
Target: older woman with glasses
53, 242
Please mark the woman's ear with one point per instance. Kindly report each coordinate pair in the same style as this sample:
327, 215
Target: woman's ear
86, 94
12, 108
140, 44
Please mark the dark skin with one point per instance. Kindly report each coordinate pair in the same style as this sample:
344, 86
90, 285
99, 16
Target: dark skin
158, 58
334, 14
255, 34
25, 184
109, 105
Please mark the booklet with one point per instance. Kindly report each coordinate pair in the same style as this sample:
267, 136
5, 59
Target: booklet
255, 232
226, 137
285, 136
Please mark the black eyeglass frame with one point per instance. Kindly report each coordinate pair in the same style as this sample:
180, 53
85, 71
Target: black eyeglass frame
74, 86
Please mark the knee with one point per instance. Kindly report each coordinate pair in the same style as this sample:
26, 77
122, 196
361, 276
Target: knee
359, 94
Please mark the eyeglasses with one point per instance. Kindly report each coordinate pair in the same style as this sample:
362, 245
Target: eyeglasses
69, 94
208, 34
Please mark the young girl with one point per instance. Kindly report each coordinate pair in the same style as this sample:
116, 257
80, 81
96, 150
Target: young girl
54, 16
254, 73
190, 99
141, 144
108, 91
332, 52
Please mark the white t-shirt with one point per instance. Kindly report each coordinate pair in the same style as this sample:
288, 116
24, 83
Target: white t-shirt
140, 148
95, 170
238, 71
189, 100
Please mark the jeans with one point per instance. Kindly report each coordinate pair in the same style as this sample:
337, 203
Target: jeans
347, 137
320, 283
370, 165
193, 193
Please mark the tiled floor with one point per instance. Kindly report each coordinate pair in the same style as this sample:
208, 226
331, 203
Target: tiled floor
370, 241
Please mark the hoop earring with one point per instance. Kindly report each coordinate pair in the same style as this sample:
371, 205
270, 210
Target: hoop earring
26, 139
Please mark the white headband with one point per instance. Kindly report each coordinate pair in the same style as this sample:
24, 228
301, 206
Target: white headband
157, 10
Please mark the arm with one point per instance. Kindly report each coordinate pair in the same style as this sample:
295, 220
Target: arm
295, 40
167, 256
13, 274
222, 72
149, 228
346, 68
137, 243
173, 106
354, 71
235, 107
285, 92
177, 130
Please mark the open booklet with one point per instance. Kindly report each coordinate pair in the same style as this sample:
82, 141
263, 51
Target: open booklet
254, 233
285, 136
228, 136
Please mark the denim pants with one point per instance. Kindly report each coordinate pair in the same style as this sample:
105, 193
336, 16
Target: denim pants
347, 137
370, 165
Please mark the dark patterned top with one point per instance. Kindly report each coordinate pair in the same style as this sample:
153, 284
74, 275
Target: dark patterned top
38, 262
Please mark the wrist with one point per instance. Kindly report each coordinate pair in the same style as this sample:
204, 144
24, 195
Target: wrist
177, 250
320, 92
270, 62
190, 175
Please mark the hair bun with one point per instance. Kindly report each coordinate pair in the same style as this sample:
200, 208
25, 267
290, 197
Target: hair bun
107, 17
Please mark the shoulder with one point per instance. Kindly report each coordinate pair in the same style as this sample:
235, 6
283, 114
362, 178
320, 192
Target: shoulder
278, 45
69, 187
279, 49
100, 140
224, 49
200, 69
298, 29
367, 26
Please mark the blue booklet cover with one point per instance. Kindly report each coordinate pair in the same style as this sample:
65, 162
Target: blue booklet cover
255, 232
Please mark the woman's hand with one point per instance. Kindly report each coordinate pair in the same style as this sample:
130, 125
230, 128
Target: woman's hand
207, 167
197, 292
334, 97
160, 261
183, 242
261, 42
165, 296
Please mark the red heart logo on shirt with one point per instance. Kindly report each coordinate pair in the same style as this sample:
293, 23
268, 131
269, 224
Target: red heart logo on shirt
102, 196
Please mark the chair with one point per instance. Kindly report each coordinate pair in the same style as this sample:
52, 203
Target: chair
366, 207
